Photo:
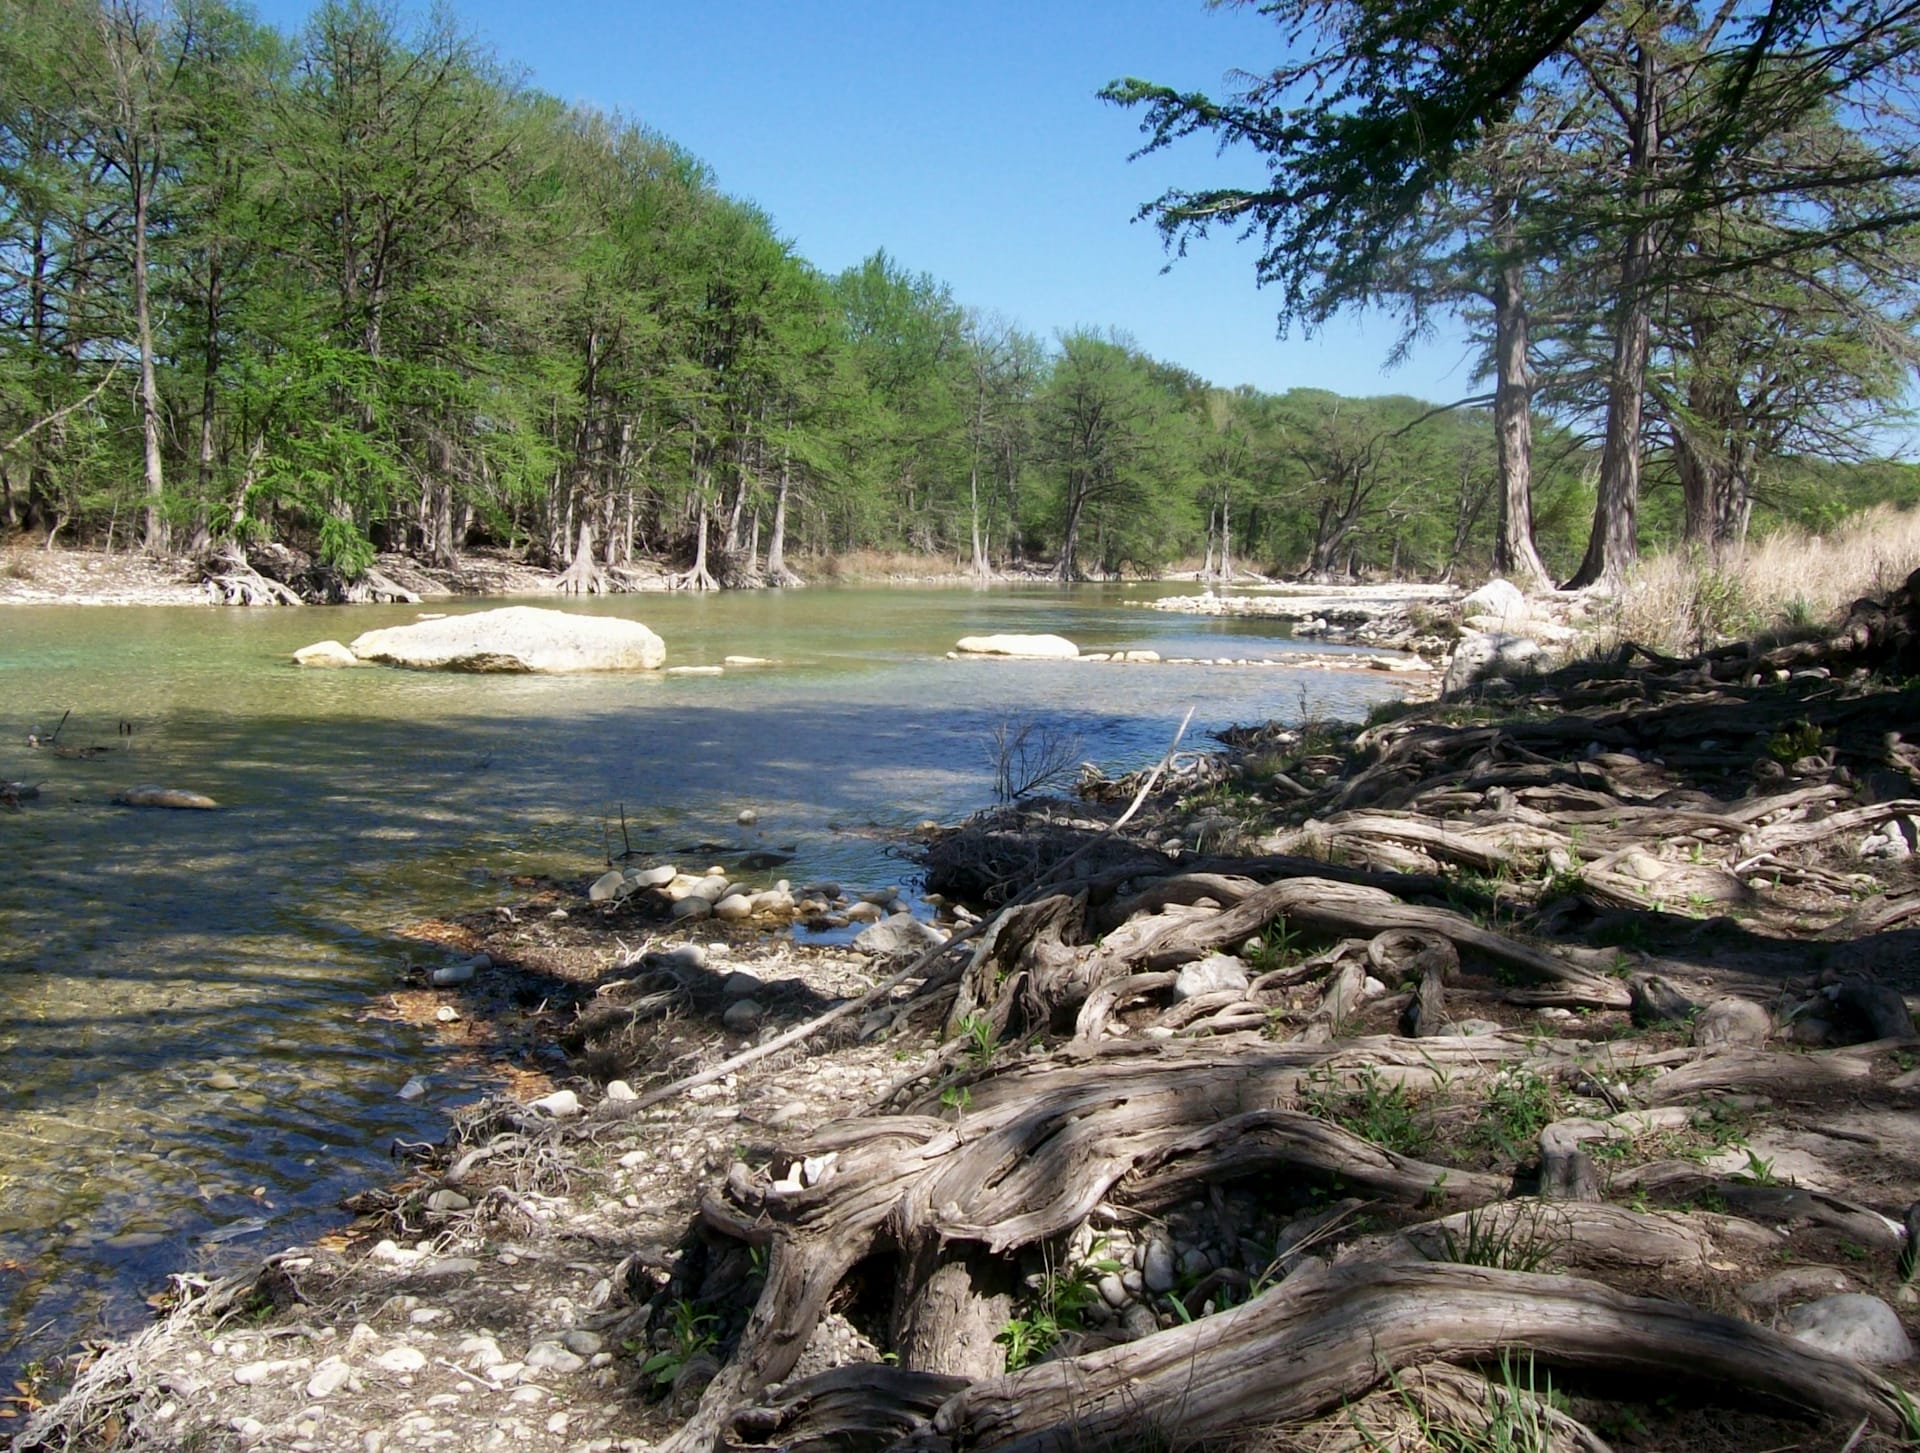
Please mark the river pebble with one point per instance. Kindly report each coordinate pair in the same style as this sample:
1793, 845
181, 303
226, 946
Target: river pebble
580, 1340
554, 1357
328, 1378
561, 1105
743, 1015
401, 1361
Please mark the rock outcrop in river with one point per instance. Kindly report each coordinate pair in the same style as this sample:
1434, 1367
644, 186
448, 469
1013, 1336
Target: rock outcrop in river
515, 638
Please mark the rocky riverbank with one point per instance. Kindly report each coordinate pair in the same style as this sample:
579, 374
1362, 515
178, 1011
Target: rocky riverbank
1560, 1041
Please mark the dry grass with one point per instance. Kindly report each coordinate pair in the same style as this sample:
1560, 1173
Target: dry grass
1684, 601
880, 566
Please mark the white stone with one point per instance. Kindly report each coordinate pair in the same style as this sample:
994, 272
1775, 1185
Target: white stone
516, 638
734, 908
1211, 975
1732, 1021
608, 886
561, 1105
553, 1357
328, 1378
620, 1090
1043, 647
325, 653
1852, 1325
1501, 599
652, 877
1481, 657
400, 1361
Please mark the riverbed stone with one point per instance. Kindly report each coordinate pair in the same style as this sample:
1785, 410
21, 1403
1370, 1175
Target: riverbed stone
901, 936
734, 908
692, 909
743, 1015
325, 654
1040, 647
1157, 1265
1732, 1022
741, 985
1211, 975
1852, 1325
153, 794
1482, 656
657, 877
561, 1105
515, 638
609, 886
400, 1361
328, 1378
553, 1357
1501, 599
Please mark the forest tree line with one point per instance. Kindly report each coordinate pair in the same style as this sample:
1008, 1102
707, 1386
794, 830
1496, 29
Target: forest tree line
361, 289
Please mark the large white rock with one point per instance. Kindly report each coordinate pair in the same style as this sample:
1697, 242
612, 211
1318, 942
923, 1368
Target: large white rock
325, 653
515, 638
1052, 648
1853, 1325
1501, 599
1479, 658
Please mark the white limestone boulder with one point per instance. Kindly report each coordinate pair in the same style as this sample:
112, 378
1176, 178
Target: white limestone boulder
1049, 648
325, 653
515, 638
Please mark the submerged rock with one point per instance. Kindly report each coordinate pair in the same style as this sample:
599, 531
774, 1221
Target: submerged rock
515, 638
149, 794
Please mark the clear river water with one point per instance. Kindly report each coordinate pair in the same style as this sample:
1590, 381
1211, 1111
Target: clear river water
149, 958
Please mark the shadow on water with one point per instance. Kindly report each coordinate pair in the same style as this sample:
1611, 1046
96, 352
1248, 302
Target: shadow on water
188, 1072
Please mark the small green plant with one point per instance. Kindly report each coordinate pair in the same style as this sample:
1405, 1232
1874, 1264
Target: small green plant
957, 1098
1522, 1241
1909, 1417
690, 1333
1374, 1109
1516, 1411
981, 1041
1520, 1104
1759, 1171
1791, 743
1058, 1305
1277, 948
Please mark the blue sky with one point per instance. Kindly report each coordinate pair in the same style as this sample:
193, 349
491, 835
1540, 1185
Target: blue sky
965, 139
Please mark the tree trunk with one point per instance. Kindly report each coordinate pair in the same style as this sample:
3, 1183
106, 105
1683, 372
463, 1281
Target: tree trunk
155, 534
1514, 554
1614, 542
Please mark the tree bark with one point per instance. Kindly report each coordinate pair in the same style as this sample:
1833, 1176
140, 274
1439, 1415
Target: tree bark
1514, 553
1613, 544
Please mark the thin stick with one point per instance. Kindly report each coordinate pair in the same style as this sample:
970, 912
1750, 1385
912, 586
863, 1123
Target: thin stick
62, 727
921, 964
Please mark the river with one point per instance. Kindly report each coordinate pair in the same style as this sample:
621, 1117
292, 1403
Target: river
188, 1077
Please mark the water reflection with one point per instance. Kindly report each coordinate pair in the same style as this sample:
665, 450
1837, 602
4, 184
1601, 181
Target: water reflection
186, 1073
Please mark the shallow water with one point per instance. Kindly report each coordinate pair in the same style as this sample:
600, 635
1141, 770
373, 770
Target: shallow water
143, 953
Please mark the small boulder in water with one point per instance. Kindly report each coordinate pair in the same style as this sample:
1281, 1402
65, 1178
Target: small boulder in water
150, 794
1045, 647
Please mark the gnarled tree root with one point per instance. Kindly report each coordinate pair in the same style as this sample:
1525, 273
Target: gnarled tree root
1327, 1336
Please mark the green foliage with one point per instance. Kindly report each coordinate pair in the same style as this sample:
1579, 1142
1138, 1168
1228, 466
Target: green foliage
1519, 1105
978, 1032
1374, 1109
1794, 741
1520, 1242
689, 1333
1057, 1304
